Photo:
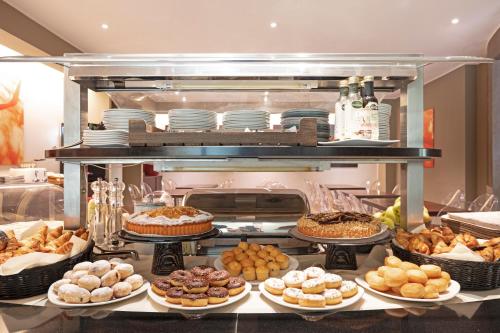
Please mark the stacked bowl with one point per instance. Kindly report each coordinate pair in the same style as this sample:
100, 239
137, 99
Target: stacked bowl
292, 118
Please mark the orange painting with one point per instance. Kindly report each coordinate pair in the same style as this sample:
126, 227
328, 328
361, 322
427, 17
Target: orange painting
11, 125
429, 134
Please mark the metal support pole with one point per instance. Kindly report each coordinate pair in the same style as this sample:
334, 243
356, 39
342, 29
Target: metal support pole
495, 128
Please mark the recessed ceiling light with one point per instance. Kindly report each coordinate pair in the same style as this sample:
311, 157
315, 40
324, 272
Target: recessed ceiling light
184, 98
266, 93
104, 26
177, 92
455, 20
273, 25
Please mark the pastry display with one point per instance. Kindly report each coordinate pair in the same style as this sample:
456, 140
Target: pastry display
170, 221
97, 282
254, 262
339, 225
198, 287
311, 288
424, 282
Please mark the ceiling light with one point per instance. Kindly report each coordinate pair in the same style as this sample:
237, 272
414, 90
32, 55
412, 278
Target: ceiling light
273, 25
177, 93
184, 98
266, 93
104, 26
455, 20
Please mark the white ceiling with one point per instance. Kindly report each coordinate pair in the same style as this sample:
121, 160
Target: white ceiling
161, 26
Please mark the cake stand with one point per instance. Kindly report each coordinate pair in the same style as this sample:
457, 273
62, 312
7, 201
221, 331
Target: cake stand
167, 255
341, 252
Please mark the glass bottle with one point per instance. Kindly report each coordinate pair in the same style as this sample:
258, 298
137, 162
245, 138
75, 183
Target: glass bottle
370, 103
354, 110
340, 118
117, 214
99, 222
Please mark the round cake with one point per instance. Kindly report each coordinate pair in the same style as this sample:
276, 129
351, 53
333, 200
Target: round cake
338, 225
170, 221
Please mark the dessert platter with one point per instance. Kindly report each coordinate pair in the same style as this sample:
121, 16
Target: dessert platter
201, 288
311, 290
255, 263
97, 283
406, 281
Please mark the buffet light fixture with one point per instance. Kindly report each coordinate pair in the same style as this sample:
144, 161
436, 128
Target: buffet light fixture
455, 20
104, 26
273, 25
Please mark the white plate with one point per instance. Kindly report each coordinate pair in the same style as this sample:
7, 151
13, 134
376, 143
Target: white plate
56, 301
359, 143
279, 300
452, 291
232, 299
293, 264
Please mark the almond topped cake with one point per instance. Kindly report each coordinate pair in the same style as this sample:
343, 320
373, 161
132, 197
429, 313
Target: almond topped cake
170, 221
338, 225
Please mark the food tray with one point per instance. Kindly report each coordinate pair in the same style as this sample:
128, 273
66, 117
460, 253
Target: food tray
475, 230
470, 274
37, 280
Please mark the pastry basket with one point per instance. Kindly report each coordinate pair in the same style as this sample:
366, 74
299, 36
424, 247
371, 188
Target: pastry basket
37, 280
470, 274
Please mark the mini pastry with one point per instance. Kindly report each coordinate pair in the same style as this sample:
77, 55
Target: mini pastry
237, 251
99, 268
262, 254
312, 301
254, 258
217, 295
115, 262
247, 263
75, 276
67, 275
269, 248
234, 268
432, 271
416, 276
57, 284
64, 249
313, 286
282, 260
202, 271
348, 289
446, 276
274, 252
314, 272
196, 285
174, 295
395, 277
103, 294
375, 281
396, 291
294, 279
82, 266
76, 295
243, 245
89, 282
412, 290
227, 260
251, 253
291, 295
178, 277
431, 291
235, 285
66, 288
441, 284
249, 274
4, 240
260, 262
226, 254
218, 278
262, 273
160, 286
332, 281
125, 270
406, 265
135, 280
274, 269
122, 289
269, 259
55, 233
194, 300
255, 247
392, 261
241, 257
110, 278
274, 286
332, 296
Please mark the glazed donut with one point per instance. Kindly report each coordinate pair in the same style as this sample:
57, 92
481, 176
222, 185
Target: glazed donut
312, 300
57, 284
375, 281
314, 272
218, 278
274, 286
392, 261
178, 277
313, 286
77, 275
416, 276
332, 296
348, 289
406, 265
89, 282
174, 295
291, 295
194, 300
332, 281
103, 294
160, 286
440, 283
125, 270
122, 289
135, 280
110, 278
412, 290
217, 295
395, 277
294, 279
76, 295
82, 266
196, 285
431, 291
235, 285
381, 270
432, 271
99, 268
202, 271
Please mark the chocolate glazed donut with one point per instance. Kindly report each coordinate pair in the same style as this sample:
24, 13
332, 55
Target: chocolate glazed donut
217, 295
195, 285
177, 278
235, 285
202, 270
160, 286
218, 278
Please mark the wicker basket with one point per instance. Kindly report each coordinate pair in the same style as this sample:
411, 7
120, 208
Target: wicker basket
471, 275
37, 280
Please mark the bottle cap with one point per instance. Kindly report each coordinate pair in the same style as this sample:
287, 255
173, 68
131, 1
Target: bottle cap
343, 83
353, 79
368, 78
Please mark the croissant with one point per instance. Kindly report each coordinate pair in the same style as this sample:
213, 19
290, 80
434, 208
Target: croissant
466, 239
23, 250
60, 240
80, 231
5, 256
65, 248
12, 245
402, 237
426, 233
54, 234
492, 242
496, 252
85, 235
416, 244
448, 234
486, 253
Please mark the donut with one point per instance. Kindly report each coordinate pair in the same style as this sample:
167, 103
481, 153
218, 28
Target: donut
243, 245
291, 295
58, 283
274, 286
406, 265
332, 296
312, 300
375, 281
348, 289
135, 280
218, 278
125, 270
249, 273
313, 286
431, 291
174, 295
103, 294
196, 285
202, 271
314, 272
262, 272
99, 268
274, 269
217, 295
432, 271
160, 286
392, 261
440, 283
121, 289
110, 278
381, 270
194, 300
234, 268
89, 282
332, 281
77, 275
178, 277
416, 276
412, 290
235, 285
282, 260
395, 277
294, 279
82, 266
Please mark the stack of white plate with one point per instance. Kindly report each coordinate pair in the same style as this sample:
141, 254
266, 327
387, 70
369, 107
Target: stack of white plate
117, 119
192, 119
384, 121
291, 118
243, 119
102, 138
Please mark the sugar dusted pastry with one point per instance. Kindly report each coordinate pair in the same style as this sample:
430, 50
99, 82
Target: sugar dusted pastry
67, 275
82, 266
76, 295
66, 288
99, 268
103, 294
89, 282
122, 289
135, 280
115, 262
110, 278
57, 284
75, 276
125, 270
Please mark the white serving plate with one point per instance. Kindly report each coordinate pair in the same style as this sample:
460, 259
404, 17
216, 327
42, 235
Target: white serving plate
161, 300
56, 301
359, 143
452, 291
279, 300
293, 264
